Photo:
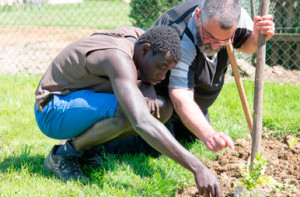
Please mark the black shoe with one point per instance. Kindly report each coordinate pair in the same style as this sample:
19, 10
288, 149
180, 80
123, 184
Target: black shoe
64, 167
92, 157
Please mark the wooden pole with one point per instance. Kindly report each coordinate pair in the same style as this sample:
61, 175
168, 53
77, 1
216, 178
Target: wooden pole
259, 86
240, 86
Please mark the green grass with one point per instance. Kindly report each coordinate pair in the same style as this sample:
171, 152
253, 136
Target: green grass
93, 14
23, 147
281, 109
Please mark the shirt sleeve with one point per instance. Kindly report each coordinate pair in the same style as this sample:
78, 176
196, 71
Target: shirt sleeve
244, 29
182, 75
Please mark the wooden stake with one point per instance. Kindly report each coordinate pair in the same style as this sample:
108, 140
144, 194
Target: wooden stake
259, 86
239, 85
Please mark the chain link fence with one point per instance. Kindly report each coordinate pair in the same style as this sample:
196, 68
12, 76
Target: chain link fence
32, 32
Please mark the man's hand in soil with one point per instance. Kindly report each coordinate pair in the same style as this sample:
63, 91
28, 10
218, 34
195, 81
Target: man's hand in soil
218, 141
207, 183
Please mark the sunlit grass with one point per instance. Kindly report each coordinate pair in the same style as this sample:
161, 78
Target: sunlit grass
281, 108
93, 14
23, 147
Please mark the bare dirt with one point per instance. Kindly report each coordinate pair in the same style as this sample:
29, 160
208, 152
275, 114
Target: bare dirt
31, 49
27, 49
283, 166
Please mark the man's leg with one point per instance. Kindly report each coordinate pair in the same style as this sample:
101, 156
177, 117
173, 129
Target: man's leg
66, 117
115, 128
136, 144
70, 113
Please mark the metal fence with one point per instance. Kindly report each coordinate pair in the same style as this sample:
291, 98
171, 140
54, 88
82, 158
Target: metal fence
32, 32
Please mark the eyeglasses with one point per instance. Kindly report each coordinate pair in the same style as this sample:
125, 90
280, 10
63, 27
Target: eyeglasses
208, 38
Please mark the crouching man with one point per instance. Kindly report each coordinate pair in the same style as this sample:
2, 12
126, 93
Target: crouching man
90, 96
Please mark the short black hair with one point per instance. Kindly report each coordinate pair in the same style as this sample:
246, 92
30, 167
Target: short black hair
163, 39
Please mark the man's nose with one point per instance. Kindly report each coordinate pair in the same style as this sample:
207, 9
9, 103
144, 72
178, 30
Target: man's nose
214, 45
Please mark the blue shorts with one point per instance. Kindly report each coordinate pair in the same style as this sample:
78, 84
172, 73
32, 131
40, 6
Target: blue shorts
68, 116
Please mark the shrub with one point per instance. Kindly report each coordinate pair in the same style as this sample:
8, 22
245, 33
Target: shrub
145, 12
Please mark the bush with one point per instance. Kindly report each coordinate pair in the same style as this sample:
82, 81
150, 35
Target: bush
145, 12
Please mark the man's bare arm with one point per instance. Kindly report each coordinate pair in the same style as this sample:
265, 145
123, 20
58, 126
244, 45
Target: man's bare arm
193, 118
121, 71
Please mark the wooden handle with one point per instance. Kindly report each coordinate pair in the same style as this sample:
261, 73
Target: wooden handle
240, 86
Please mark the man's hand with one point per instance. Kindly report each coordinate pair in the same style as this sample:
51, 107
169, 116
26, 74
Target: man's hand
151, 98
207, 183
218, 141
265, 25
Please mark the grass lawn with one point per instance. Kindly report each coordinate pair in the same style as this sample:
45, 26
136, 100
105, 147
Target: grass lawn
99, 14
23, 147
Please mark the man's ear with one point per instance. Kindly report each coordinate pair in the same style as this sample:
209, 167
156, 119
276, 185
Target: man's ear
197, 15
146, 48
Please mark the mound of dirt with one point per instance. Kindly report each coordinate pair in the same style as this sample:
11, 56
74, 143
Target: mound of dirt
276, 74
283, 166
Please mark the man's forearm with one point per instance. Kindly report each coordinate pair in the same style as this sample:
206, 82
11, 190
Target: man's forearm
250, 45
190, 113
157, 135
193, 118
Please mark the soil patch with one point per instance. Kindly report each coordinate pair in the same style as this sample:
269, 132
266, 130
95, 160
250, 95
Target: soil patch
276, 74
283, 166
30, 49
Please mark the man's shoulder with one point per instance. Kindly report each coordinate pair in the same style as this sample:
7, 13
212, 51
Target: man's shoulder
126, 31
179, 16
245, 20
187, 5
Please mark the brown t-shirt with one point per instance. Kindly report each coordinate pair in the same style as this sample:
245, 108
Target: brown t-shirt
68, 72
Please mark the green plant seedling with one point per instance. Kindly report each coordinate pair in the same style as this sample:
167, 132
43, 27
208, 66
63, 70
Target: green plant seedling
254, 177
292, 142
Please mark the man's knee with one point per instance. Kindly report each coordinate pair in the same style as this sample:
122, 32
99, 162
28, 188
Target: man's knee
165, 108
120, 120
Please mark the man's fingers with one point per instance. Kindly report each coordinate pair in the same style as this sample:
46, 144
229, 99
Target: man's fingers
219, 141
206, 193
201, 191
157, 109
218, 191
262, 18
153, 107
212, 191
228, 141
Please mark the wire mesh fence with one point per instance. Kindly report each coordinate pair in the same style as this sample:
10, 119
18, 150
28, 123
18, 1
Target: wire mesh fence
32, 32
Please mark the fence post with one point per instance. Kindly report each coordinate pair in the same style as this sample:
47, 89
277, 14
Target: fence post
287, 49
275, 57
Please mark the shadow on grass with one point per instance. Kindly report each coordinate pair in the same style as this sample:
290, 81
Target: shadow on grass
140, 163
139, 160
34, 164
24, 161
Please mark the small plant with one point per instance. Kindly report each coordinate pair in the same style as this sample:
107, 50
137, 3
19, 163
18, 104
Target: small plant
292, 141
253, 178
